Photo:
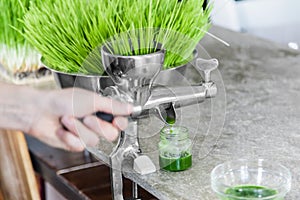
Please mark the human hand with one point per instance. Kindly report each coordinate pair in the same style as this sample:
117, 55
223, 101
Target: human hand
57, 119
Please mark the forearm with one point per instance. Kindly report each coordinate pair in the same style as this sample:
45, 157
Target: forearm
17, 107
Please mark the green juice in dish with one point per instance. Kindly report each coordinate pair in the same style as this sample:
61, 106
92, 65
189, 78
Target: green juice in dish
250, 191
176, 164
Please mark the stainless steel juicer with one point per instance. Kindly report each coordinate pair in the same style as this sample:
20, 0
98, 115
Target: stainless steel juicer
133, 79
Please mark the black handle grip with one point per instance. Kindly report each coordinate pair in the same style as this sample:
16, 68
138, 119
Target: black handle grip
105, 116
101, 115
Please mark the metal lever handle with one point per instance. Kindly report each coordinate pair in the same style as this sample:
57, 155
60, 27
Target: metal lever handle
205, 67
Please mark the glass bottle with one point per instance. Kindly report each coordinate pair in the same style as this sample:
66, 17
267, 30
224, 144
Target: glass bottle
175, 149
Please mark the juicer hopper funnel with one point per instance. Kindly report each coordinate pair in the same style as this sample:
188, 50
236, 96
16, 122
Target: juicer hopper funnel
134, 75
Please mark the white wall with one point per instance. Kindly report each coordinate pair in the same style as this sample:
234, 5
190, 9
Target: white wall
225, 14
277, 20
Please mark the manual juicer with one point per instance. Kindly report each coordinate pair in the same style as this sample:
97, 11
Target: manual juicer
133, 81
133, 77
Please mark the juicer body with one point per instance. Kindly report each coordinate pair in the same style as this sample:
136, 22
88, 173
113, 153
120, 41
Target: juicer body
151, 91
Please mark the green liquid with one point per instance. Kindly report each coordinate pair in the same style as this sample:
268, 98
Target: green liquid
250, 191
170, 121
175, 164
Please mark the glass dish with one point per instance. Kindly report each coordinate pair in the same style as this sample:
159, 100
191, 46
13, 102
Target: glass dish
250, 179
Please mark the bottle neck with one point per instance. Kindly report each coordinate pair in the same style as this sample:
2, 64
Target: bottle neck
174, 133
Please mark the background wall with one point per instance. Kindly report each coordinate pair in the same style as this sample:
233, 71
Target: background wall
276, 20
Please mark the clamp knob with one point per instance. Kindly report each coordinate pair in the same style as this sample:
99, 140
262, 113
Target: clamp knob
204, 67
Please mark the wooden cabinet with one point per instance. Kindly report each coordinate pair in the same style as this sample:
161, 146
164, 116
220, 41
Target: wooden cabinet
17, 179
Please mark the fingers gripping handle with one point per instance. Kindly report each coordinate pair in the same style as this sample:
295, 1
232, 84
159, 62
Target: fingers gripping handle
205, 67
102, 115
105, 116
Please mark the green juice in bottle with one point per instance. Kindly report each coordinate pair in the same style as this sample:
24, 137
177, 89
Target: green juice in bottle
175, 149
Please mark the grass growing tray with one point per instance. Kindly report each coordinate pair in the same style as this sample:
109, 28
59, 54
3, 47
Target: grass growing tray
19, 61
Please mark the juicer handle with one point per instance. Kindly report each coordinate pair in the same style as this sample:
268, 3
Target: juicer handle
104, 116
205, 67
101, 115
